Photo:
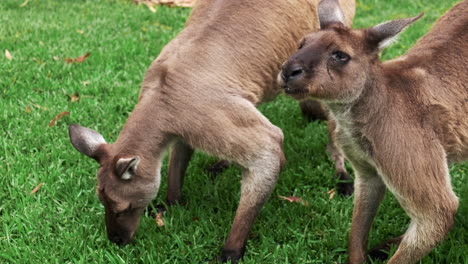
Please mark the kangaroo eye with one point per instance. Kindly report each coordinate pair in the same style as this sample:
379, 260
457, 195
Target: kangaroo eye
340, 56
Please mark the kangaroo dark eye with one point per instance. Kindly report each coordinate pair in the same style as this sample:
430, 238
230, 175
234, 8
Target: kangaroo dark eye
340, 56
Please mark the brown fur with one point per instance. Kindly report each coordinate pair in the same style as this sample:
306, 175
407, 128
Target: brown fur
201, 93
398, 122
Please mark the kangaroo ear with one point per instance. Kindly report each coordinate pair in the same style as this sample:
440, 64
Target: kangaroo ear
126, 167
85, 140
329, 12
384, 34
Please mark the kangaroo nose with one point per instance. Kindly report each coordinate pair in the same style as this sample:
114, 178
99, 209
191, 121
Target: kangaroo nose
118, 240
291, 72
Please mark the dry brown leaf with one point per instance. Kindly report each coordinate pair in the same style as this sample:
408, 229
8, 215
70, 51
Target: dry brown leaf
159, 220
82, 58
27, 109
294, 199
79, 59
74, 97
185, 3
57, 118
8, 55
40, 107
37, 188
24, 3
291, 199
38, 61
331, 193
171, 3
150, 7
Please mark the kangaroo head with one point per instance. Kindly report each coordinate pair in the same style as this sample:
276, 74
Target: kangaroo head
126, 182
336, 63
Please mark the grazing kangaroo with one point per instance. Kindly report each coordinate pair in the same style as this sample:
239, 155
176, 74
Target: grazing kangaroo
399, 122
201, 93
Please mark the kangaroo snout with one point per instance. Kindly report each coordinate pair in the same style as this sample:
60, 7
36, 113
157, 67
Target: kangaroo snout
291, 72
291, 79
120, 239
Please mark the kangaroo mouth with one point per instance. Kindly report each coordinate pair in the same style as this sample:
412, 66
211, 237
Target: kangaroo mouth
295, 92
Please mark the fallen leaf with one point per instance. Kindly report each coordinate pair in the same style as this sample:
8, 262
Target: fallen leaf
24, 3
37, 188
195, 219
82, 58
79, 59
57, 118
40, 107
74, 97
185, 3
85, 82
80, 31
56, 58
150, 7
291, 199
331, 193
171, 3
27, 109
38, 61
158, 219
8, 55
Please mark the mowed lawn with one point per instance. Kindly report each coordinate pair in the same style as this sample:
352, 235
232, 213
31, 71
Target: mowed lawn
62, 221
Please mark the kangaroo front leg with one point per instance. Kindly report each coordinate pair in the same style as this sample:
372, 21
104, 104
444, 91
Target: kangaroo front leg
345, 184
369, 192
257, 183
181, 153
244, 136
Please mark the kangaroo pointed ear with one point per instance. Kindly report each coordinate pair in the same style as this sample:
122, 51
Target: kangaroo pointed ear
329, 12
85, 140
126, 167
384, 34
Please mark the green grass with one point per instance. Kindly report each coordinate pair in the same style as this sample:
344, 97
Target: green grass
63, 221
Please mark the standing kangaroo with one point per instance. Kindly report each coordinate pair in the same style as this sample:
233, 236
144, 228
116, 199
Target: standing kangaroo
201, 93
399, 122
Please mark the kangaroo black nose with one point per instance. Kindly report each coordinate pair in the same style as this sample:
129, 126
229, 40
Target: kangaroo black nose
296, 72
291, 72
118, 240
